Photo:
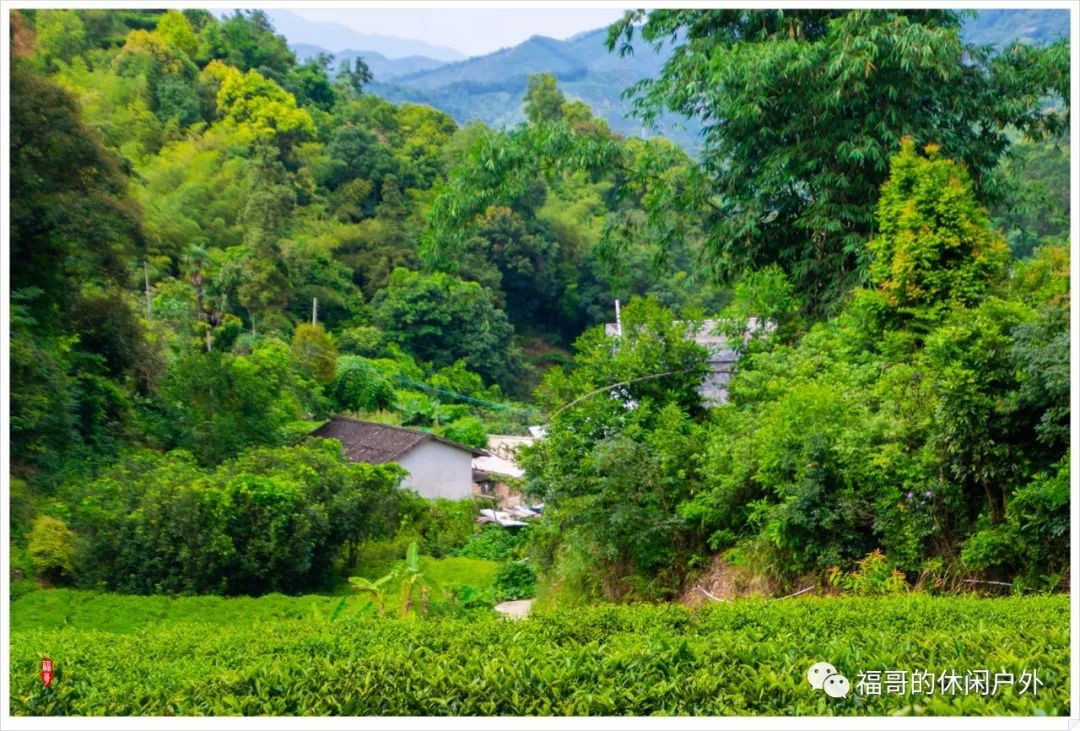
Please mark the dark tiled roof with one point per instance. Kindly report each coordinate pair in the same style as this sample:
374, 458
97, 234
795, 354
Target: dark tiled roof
366, 441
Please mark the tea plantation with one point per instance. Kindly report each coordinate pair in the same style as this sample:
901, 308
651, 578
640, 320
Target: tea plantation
125, 655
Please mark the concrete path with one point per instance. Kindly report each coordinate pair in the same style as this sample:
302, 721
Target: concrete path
515, 610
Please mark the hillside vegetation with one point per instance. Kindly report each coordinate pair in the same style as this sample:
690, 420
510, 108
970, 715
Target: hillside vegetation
215, 246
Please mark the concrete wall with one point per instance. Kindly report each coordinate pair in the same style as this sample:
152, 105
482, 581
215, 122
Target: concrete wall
436, 470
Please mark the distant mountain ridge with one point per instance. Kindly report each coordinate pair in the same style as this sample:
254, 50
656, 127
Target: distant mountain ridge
336, 38
381, 67
489, 88
1000, 27
535, 55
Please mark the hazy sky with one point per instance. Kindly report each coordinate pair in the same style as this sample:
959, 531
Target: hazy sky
471, 31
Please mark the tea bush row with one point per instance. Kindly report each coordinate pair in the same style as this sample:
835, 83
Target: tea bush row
749, 657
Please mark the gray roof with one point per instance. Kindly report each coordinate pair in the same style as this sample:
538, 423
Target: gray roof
367, 441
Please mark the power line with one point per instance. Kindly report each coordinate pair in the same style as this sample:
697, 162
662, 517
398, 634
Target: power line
614, 385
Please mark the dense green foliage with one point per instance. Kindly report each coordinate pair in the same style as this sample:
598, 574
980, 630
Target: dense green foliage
802, 111
515, 580
1035, 203
272, 520
626, 452
441, 319
186, 192
929, 416
803, 108
494, 543
52, 548
187, 199
278, 655
215, 246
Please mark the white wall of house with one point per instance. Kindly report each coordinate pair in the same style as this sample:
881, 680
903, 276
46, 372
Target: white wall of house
437, 470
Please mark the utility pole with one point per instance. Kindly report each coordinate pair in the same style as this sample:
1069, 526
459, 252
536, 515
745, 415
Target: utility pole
314, 310
618, 320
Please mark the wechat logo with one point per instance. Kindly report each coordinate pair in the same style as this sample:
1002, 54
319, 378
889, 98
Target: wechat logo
823, 676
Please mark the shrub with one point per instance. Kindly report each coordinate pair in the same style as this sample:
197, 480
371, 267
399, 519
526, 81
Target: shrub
1040, 511
873, 577
493, 542
467, 430
52, 548
360, 386
272, 520
444, 525
515, 580
218, 404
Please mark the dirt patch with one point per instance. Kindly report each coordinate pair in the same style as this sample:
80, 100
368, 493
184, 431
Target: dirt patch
725, 581
515, 610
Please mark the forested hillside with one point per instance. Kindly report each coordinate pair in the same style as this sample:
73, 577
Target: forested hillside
188, 199
215, 245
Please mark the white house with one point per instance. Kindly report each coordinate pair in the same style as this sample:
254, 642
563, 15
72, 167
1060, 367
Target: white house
721, 360
438, 468
491, 472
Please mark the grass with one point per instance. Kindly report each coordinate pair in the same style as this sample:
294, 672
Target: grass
124, 655
123, 613
458, 571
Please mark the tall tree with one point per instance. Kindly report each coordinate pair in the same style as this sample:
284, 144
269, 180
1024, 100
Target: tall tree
73, 231
439, 318
351, 79
543, 100
803, 108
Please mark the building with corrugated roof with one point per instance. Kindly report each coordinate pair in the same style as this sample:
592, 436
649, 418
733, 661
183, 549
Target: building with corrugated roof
437, 467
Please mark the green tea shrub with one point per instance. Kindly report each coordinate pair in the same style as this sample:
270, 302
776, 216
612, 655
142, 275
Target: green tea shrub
282, 655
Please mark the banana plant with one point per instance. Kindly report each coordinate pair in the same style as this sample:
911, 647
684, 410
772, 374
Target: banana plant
412, 580
374, 589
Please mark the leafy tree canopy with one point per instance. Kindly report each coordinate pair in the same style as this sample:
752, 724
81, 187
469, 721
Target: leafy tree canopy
802, 110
